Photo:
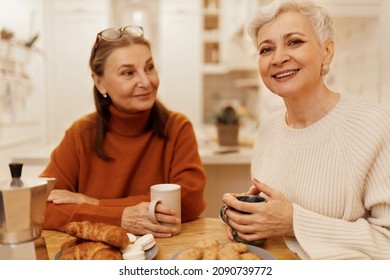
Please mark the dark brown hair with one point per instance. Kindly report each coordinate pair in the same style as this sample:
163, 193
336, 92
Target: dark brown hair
100, 51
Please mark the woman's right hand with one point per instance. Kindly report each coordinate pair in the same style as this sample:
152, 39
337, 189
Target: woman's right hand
67, 197
135, 219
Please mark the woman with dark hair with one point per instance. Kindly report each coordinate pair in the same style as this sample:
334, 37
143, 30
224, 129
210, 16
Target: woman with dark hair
108, 160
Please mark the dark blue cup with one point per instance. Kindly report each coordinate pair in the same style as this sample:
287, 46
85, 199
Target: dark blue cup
248, 199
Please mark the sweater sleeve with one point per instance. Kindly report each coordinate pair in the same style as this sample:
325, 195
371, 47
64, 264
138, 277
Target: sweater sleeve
64, 166
58, 216
367, 237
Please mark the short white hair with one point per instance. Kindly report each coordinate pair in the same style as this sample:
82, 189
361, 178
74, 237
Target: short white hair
317, 15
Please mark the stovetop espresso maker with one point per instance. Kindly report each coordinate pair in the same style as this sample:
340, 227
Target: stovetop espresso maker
22, 210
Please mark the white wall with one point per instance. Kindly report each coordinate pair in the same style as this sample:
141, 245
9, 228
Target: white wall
22, 127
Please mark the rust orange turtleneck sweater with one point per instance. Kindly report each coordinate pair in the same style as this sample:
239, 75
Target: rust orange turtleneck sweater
142, 159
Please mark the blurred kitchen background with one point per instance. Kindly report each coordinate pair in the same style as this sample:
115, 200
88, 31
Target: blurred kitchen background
204, 58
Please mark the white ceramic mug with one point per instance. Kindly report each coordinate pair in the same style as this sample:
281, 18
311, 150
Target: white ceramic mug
170, 196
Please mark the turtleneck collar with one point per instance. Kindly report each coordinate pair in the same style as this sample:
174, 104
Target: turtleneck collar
127, 124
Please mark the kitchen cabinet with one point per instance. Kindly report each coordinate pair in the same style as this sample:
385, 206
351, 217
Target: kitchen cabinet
211, 15
72, 28
221, 179
227, 170
226, 45
180, 57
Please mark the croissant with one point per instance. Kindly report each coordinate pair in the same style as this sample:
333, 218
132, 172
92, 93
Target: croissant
90, 250
70, 242
95, 231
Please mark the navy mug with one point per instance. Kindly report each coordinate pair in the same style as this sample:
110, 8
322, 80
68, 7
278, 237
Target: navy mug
244, 198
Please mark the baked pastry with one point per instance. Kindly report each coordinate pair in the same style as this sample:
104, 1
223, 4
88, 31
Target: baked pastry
90, 250
228, 253
211, 254
213, 250
249, 256
206, 244
192, 253
70, 242
96, 231
238, 247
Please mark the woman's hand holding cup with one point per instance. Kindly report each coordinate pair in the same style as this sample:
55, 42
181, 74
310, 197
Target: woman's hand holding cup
264, 220
247, 199
166, 198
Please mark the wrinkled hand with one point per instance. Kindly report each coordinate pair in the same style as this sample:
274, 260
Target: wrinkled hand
267, 219
135, 219
68, 197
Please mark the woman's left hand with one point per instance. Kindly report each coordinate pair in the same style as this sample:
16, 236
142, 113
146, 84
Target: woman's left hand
68, 197
267, 219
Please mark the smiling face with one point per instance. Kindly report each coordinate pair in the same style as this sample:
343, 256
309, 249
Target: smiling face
130, 78
290, 55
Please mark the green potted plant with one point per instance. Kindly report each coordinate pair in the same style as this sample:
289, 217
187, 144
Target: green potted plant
227, 127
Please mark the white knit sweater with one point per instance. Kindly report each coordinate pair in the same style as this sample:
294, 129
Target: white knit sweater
336, 173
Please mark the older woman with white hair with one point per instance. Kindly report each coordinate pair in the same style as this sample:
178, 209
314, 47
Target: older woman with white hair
323, 161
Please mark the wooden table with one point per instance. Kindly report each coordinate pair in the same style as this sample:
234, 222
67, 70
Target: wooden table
200, 229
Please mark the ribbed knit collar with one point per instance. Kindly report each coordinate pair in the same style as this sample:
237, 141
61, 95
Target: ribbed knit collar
127, 124
317, 130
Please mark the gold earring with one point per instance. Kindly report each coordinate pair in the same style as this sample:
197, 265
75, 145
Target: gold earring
325, 69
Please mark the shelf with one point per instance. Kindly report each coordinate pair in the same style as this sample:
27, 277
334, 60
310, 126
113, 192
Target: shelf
211, 36
218, 155
215, 69
247, 83
15, 51
211, 32
210, 12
